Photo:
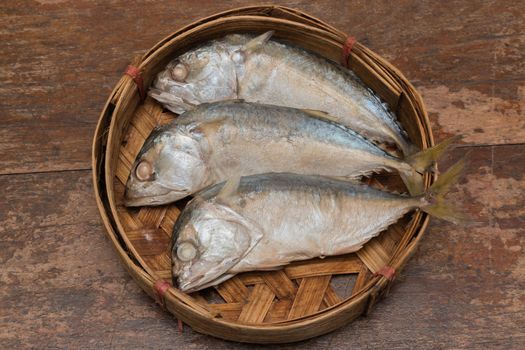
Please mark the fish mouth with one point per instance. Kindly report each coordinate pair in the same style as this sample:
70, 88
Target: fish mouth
188, 286
199, 282
202, 283
186, 282
181, 281
137, 201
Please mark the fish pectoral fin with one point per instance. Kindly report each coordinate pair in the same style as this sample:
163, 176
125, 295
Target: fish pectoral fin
206, 128
257, 42
320, 115
230, 188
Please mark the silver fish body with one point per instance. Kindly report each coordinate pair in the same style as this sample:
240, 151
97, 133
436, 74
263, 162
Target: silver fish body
218, 141
271, 220
266, 71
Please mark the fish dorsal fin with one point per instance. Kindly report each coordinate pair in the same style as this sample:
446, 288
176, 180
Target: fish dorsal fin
353, 179
236, 100
229, 188
257, 42
320, 115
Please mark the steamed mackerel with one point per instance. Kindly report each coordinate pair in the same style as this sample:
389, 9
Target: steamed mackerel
217, 141
266, 71
270, 220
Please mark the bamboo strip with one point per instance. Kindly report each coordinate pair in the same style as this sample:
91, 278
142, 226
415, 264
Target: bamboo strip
280, 284
230, 311
123, 168
172, 213
389, 239
160, 263
361, 280
133, 141
330, 297
278, 311
147, 117
157, 264
151, 216
373, 255
233, 290
258, 304
319, 267
249, 278
148, 241
130, 223
309, 296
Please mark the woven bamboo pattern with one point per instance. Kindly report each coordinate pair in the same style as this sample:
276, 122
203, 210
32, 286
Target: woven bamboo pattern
303, 299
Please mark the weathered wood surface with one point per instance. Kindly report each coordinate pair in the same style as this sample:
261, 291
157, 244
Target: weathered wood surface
61, 284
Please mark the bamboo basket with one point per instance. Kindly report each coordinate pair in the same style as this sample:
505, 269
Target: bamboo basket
303, 300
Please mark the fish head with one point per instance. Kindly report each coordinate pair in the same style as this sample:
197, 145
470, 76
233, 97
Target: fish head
170, 166
206, 74
209, 73
209, 239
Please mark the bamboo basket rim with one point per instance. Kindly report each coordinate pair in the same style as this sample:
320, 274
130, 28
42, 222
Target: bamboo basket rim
262, 9
140, 272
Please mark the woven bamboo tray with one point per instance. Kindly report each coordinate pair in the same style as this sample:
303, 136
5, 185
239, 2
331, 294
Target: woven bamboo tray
304, 299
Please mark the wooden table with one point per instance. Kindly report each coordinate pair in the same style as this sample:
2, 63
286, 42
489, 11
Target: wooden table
61, 283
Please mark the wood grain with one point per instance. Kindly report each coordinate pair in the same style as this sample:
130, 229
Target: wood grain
463, 288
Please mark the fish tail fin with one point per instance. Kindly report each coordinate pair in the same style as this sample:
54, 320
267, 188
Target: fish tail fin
413, 181
435, 197
422, 160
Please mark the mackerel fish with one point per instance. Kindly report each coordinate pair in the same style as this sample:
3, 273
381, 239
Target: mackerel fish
266, 221
258, 69
217, 141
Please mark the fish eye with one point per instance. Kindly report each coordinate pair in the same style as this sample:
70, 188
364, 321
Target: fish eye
144, 171
237, 56
186, 251
179, 72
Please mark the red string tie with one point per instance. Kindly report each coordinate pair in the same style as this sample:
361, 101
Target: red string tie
387, 271
134, 73
347, 48
161, 287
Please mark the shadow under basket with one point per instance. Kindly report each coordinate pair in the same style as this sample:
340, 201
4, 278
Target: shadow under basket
302, 300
